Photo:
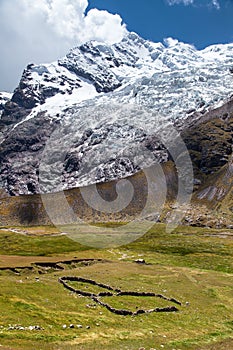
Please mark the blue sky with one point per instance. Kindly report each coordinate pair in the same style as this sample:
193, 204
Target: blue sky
200, 23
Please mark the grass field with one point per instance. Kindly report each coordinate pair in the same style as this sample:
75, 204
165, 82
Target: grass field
192, 265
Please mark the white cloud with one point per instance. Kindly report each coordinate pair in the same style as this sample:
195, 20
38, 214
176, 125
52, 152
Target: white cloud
44, 30
169, 42
176, 2
214, 3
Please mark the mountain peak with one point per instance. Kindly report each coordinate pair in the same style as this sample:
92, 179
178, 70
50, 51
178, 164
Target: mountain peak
174, 82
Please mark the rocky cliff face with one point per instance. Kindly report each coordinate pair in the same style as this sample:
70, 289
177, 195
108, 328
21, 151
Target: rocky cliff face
210, 146
97, 105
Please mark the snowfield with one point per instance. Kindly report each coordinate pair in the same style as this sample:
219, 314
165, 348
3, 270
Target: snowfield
108, 99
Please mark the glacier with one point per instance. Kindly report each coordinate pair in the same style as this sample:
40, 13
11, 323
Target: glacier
107, 98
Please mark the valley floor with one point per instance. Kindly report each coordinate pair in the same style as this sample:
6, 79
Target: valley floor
191, 265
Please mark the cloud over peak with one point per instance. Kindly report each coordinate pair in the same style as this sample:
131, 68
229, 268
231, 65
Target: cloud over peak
44, 30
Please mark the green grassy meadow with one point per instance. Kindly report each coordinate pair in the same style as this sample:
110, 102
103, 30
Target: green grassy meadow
192, 265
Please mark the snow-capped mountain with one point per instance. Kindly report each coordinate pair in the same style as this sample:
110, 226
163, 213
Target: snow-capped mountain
4, 98
107, 100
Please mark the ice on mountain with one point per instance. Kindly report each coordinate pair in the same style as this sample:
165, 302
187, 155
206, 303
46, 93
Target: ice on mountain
40, 70
110, 97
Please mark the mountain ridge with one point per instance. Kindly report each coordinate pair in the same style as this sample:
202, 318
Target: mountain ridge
133, 88
108, 68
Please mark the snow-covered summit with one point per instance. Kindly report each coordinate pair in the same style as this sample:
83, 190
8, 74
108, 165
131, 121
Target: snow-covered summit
93, 69
172, 80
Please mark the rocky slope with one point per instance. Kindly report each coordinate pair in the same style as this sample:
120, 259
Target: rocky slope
4, 98
209, 142
100, 106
